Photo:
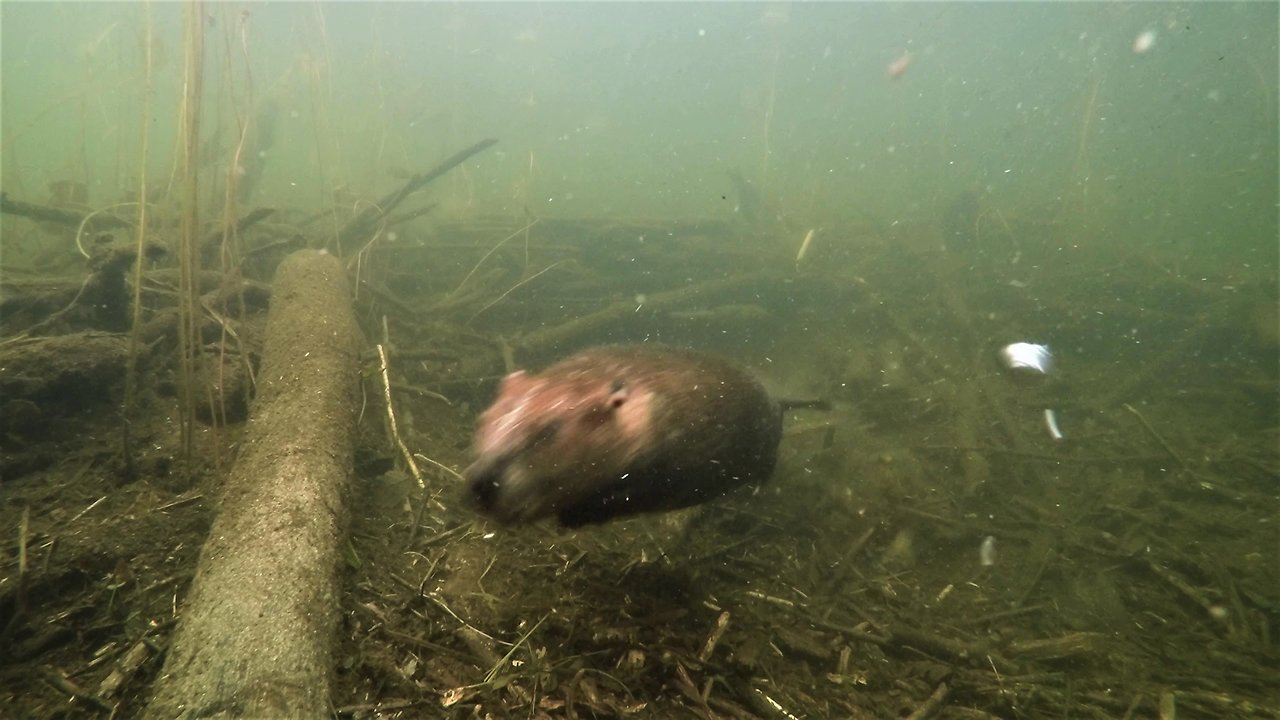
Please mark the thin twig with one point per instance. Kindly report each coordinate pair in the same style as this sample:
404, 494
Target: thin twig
497, 667
391, 420
440, 465
492, 250
513, 288
180, 502
357, 225
1167, 447
92, 505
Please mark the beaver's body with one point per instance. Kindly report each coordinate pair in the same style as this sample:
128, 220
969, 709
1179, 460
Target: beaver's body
619, 430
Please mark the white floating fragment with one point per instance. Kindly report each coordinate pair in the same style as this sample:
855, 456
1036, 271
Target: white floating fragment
1027, 356
804, 245
1051, 422
1144, 41
987, 551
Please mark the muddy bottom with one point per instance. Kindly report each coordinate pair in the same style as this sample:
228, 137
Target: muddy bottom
926, 549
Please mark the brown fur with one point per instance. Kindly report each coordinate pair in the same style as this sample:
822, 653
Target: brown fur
619, 430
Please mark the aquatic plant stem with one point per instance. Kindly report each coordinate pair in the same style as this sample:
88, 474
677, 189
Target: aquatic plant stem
1081, 169
90, 216
515, 287
229, 253
189, 245
768, 115
131, 362
494, 249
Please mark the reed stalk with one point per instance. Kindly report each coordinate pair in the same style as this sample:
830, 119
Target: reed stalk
189, 240
131, 363
767, 132
1082, 169
229, 251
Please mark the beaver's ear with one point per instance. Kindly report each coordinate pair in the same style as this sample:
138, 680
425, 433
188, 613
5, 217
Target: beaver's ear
606, 409
617, 394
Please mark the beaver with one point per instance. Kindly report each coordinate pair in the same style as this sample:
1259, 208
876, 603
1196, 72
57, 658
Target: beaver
619, 430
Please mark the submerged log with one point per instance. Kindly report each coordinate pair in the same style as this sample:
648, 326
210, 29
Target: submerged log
62, 216
257, 631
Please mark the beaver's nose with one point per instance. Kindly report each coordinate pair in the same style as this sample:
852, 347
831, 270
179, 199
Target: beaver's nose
484, 484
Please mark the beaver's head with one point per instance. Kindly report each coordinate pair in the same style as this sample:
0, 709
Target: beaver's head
547, 442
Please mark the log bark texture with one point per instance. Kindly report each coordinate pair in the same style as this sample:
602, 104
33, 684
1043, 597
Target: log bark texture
257, 632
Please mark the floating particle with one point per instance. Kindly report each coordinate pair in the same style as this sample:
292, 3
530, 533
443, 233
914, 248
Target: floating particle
1144, 41
804, 245
987, 551
898, 67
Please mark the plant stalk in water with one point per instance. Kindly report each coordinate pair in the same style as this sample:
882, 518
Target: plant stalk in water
131, 363
189, 242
